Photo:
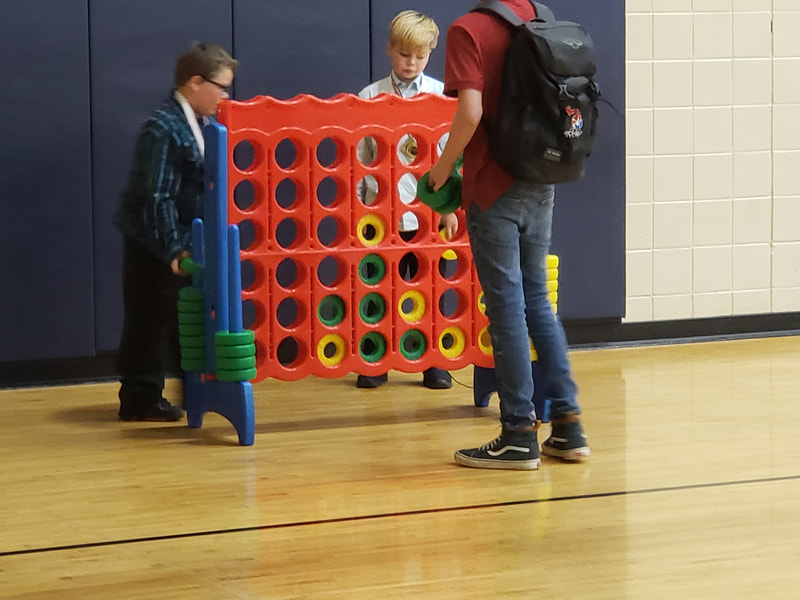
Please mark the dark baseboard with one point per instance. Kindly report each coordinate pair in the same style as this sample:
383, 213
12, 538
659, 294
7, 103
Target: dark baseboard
611, 332
60, 371
581, 334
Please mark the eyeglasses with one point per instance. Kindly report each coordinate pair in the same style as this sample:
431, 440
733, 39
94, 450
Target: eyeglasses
224, 88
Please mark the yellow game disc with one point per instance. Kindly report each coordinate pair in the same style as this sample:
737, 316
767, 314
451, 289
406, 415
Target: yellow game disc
481, 304
377, 224
552, 261
448, 254
485, 342
418, 310
459, 342
338, 355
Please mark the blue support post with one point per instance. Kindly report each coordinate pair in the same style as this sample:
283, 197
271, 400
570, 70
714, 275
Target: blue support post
222, 287
235, 322
192, 379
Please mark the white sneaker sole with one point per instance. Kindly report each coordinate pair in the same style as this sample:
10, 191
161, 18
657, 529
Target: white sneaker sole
493, 463
572, 455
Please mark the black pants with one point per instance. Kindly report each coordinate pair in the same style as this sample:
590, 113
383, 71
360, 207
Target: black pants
149, 345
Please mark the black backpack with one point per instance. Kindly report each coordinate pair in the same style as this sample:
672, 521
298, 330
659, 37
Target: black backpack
546, 123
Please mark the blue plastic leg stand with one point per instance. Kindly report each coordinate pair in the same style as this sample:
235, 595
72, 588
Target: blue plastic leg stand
233, 400
484, 384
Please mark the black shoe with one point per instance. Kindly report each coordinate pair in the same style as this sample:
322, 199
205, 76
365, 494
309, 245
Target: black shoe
160, 411
567, 440
437, 379
371, 381
517, 450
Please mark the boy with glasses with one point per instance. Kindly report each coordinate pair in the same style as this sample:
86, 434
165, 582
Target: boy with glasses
163, 196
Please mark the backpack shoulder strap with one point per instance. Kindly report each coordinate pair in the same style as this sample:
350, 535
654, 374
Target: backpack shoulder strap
500, 9
543, 13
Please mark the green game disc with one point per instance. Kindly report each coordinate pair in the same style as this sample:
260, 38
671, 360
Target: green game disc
235, 351
226, 338
372, 308
372, 347
371, 269
236, 375
236, 364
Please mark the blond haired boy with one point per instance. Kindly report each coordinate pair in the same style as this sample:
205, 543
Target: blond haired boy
412, 37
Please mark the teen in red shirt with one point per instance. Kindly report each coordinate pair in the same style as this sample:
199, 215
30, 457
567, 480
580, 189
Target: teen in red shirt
509, 224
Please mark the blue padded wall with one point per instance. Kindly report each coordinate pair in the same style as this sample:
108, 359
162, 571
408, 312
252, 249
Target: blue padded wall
86, 73
589, 229
46, 300
133, 60
289, 48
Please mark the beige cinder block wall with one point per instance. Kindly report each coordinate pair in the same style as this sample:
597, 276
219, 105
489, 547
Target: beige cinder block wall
713, 158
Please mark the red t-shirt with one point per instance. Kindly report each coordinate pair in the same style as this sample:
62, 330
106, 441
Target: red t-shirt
476, 49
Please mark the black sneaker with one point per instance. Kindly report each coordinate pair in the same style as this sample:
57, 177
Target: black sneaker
371, 381
567, 440
161, 411
517, 450
437, 379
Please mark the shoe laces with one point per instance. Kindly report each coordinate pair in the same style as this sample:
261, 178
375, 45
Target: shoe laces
496, 441
491, 445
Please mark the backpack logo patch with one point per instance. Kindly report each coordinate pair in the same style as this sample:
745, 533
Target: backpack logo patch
576, 123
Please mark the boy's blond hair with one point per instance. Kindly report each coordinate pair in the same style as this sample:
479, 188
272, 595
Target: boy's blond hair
411, 29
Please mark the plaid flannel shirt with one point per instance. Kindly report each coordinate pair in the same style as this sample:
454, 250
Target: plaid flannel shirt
165, 186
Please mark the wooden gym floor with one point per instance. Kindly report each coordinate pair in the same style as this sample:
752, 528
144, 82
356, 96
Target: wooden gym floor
693, 491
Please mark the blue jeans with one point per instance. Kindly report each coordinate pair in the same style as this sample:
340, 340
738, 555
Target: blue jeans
510, 242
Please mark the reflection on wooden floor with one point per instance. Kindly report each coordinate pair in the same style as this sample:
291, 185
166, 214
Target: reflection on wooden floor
693, 490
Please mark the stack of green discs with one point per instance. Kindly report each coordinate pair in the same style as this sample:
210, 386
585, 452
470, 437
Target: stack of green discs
236, 355
191, 328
